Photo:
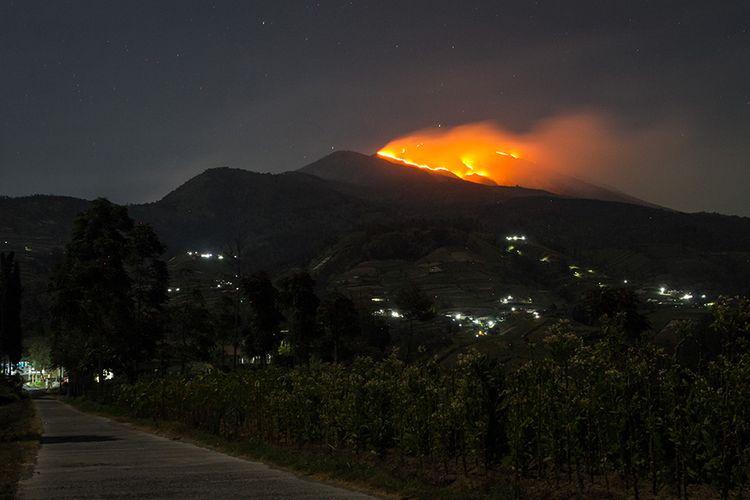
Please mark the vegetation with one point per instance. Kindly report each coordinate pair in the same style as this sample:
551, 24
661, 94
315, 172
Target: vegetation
10, 313
614, 414
108, 296
189, 335
415, 306
19, 430
262, 333
19, 434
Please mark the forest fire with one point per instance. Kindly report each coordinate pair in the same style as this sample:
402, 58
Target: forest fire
476, 153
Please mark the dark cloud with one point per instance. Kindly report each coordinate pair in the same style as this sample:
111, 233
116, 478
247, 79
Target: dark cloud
128, 99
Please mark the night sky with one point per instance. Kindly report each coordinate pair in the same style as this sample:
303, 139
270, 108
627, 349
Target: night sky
129, 99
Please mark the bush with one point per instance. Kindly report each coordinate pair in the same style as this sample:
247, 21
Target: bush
11, 389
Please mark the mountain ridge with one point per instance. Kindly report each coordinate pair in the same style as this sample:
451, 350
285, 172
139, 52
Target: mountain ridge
285, 220
375, 171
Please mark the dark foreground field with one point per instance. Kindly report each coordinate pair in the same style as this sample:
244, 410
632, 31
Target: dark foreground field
20, 431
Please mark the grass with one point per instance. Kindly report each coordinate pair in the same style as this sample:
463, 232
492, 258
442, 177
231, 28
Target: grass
368, 473
20, 430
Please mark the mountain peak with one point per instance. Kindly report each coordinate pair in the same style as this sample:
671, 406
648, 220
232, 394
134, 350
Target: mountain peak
377, 173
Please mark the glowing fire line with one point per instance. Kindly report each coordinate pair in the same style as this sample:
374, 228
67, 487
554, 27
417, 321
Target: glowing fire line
475, 153
512, 155
385, 154
473, 173
460, 175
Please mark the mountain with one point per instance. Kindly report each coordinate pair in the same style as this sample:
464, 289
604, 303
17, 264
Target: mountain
349, 208
278, 217
376, 179
37, 221
35, 226
519, 171
379, 177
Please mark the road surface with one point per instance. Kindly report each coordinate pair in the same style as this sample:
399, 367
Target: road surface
83, 457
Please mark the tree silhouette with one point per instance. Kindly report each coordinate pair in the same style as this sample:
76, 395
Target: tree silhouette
10, 310
190, 330
263, 333
601, 303
224, 325
340, 322
414, 305
298, 296
107, 295
149, 276
375, 334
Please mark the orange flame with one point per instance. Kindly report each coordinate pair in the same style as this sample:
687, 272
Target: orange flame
548, 154
475, 153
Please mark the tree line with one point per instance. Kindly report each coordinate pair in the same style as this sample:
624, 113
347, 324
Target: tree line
614, 412
111, 312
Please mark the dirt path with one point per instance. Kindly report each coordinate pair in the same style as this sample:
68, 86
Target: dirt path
84, 456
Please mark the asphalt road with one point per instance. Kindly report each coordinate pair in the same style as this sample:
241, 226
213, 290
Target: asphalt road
83, 457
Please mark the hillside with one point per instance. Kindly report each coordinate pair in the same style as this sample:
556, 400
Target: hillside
39, 221
33, 227
375, 179
349, 213
279, 218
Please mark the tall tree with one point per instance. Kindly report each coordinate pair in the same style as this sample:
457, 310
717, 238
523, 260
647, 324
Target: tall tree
340, 321
107, 294
414, 305
10, 310
375, 335
263, 333
190, 331
224, 325
237, 251
297, 293
149, 278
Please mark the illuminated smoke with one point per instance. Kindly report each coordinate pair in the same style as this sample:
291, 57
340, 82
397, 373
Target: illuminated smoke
585, 145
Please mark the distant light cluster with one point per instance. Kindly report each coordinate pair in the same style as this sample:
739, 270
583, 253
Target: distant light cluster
206, 255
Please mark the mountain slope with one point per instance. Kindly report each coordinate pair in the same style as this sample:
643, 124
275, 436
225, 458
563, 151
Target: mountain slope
378, 177
374, 178
280, 218
285, 220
